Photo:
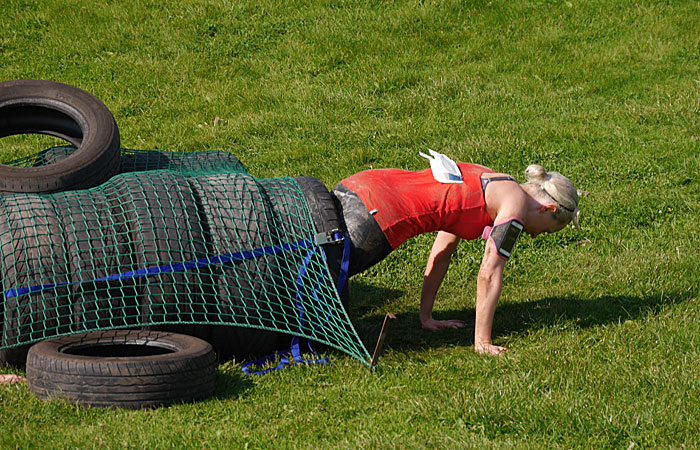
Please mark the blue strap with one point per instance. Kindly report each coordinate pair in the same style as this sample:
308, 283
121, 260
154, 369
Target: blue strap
295, 351
344, 262
286, 358
169, 268
293, 356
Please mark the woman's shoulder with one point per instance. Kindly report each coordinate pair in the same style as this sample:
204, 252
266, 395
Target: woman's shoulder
504, 193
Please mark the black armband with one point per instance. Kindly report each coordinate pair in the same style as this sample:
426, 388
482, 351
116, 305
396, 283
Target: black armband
505, 235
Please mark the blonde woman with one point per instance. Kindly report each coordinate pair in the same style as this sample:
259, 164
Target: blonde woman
383, 208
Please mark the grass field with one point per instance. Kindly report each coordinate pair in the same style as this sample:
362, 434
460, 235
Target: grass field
603, 329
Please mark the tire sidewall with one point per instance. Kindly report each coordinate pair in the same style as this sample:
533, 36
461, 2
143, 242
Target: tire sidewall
183, 346
97, 154
134, 382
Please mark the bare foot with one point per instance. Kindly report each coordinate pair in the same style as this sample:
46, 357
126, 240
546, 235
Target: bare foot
490, 349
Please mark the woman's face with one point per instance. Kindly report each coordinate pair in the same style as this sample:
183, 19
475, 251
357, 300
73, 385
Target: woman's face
542, 222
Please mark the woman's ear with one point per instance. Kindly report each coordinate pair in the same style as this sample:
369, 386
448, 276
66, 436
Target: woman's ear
547, 208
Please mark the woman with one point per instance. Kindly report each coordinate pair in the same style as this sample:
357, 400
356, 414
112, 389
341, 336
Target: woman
384, 208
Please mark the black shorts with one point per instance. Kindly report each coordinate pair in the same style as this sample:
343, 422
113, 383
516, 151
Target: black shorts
368, 244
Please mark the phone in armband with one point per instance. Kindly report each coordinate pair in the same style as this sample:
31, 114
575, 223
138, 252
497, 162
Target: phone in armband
506, 235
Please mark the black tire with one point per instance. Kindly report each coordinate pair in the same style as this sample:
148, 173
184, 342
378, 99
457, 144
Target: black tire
324, 213
31, 253
56, 109
161, 216
238, 285
123, 368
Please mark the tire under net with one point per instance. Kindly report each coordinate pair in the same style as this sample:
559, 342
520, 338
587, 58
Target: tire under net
123, 368
174, 239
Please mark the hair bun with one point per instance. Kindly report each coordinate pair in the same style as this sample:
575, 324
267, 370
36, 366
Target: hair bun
536, 173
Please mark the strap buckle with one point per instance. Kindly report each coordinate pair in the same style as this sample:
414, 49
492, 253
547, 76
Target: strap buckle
333, 236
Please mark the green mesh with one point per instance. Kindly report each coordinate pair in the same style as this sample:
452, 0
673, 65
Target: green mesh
175, 238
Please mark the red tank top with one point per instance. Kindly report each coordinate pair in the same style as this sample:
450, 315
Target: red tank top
412, 203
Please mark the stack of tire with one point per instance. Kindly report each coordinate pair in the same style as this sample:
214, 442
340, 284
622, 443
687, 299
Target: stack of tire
43, 107
127, 368
83, 367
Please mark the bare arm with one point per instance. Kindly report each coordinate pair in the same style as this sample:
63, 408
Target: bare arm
488, 291
510, 201
438, 262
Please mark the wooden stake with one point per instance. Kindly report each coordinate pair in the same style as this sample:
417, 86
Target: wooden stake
382, 336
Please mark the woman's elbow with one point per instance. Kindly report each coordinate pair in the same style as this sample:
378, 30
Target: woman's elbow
485, 277
490, 274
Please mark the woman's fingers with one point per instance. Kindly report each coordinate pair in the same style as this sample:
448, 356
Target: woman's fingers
434, 325
452, 323
11, 379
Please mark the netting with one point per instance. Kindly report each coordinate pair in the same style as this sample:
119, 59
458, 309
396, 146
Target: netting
175, 238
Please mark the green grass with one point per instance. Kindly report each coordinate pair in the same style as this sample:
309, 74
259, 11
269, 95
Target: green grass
603, 336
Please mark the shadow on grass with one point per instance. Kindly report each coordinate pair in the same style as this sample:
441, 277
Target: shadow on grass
232, 384
514, 318
365, 297
511, 319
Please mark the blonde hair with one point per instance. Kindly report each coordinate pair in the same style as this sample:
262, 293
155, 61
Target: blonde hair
557, 187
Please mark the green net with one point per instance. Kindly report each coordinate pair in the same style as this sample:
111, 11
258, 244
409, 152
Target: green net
175, 238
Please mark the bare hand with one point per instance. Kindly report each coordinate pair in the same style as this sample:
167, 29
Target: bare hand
11, 379
434, 325
490, 349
